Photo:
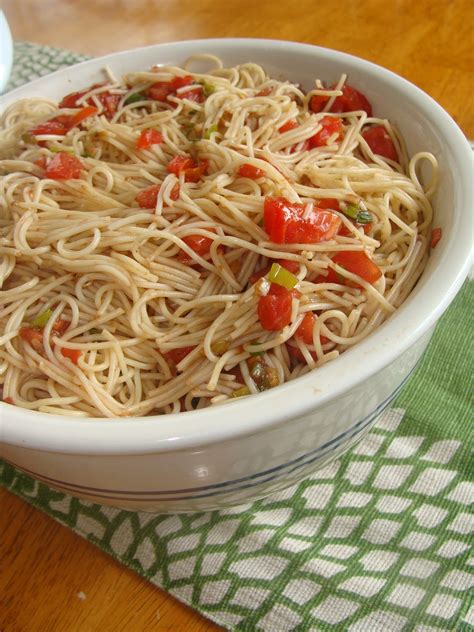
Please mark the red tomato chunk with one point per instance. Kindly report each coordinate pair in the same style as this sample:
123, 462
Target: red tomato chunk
148, 197
199, 243
351, 100
284, 223
250, 171
63, 167
358, 263
274, 310
436, 235
149, 137
379, 141
330, 125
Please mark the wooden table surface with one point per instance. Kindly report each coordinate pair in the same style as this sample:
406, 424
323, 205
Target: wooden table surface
43, 566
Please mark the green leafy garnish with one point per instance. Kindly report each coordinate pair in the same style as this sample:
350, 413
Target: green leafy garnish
254, 354
42, 319
212, 130
28, 138
351, 211
134, 98
281, 276
208, 89
356, 213
241, 392
62, 150
364, 217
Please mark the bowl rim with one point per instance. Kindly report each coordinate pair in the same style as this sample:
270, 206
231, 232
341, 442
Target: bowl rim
177, 431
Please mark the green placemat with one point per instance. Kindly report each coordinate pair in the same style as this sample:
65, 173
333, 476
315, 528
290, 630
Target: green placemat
378, 541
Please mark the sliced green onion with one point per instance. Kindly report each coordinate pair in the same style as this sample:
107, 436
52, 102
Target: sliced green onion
241, 392
254, 354
42, 319
219, 347
134, 98
364, 217
281, 276
355, 212
351, 211
28, 138
61, 150
210, 131
208, 88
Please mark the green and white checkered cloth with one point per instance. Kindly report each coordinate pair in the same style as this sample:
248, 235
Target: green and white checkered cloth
377, 541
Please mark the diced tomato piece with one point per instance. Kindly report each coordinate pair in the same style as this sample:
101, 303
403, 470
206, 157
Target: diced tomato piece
147, 197
317, 102
265, 92
291, 266
305, 330
174, 356
200, 244
295, 352
110, 103
54, 127
89, 110
174, 193
318, 226
180, 163
70, 100
60, 326
276, 290
34, 336
326, 203
179, 82
345, 232
359, 263
71, 354
195, 173
330, 125
289, 125
63, 166
40, 162
350, 101
9, 400
436, 235
160, 91
258, 274
284, 223
330, 278
149, 137
195, 94
250, 171
274, 310
379, 141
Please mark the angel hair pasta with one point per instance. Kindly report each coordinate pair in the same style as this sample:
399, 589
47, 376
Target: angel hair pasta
172, 240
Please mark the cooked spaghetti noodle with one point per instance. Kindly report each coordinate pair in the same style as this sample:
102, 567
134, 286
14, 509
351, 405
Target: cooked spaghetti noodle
138, 215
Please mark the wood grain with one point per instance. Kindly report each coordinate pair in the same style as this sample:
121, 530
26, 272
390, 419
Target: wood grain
44, 566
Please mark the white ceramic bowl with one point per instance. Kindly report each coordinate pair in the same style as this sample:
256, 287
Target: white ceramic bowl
226, 455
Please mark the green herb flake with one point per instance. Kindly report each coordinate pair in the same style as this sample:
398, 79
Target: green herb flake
281, 276
134, 98
351, 211
241, 392
208, 89
42, 319
364, 217
211, 130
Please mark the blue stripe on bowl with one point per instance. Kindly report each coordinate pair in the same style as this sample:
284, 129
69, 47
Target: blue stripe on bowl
222, 488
